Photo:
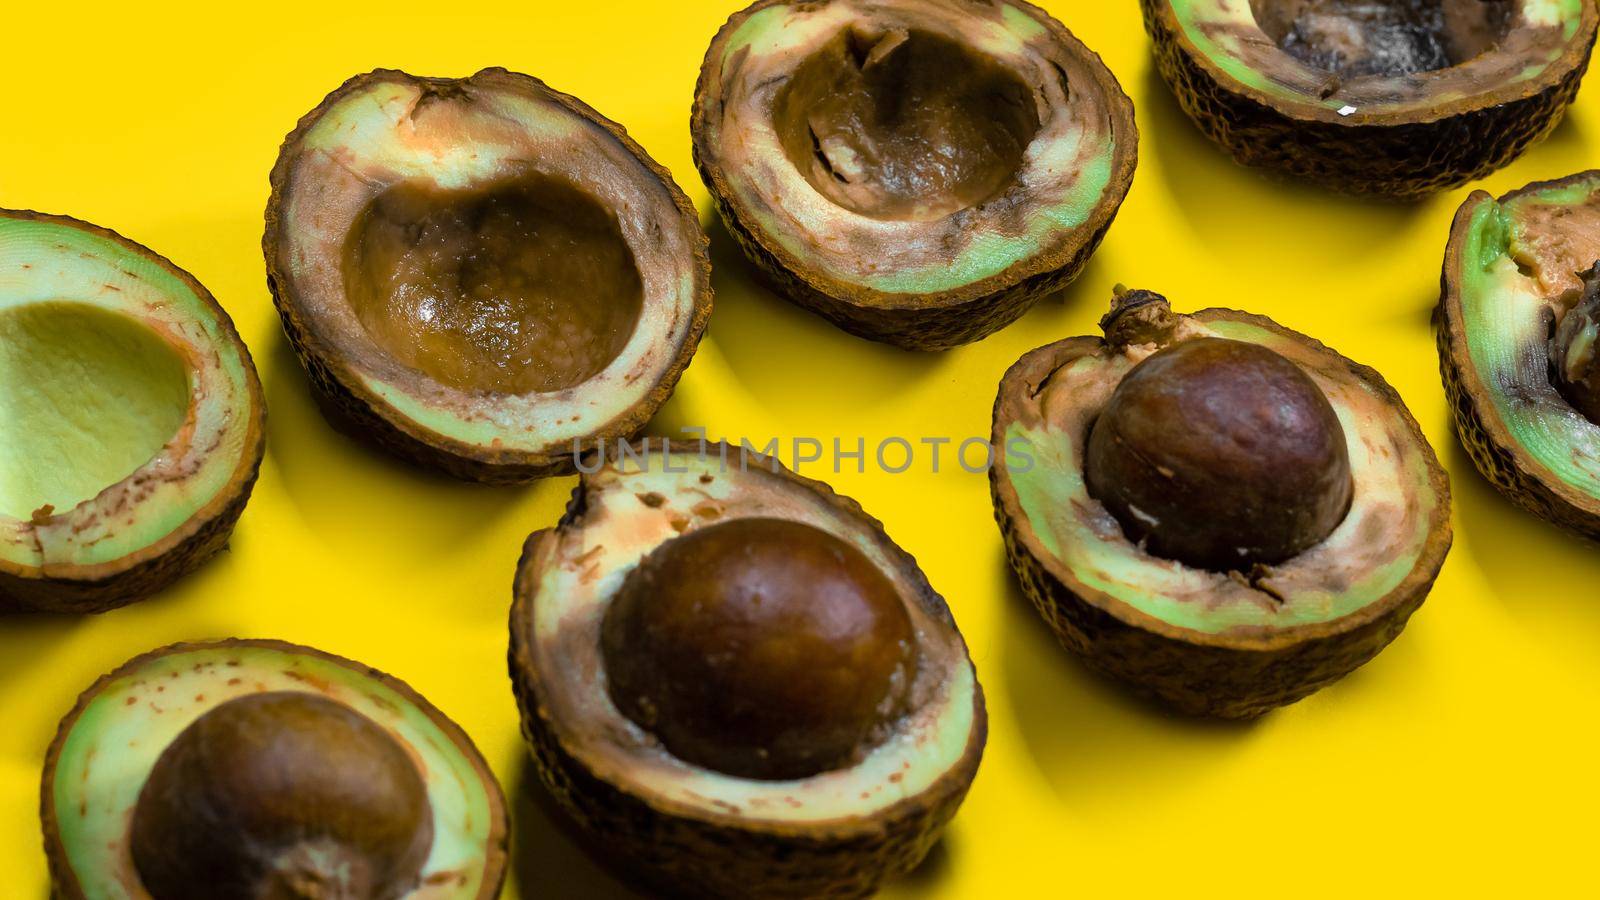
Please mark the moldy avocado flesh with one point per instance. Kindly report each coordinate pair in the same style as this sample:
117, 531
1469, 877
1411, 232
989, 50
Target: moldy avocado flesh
1398, 98
1206, 637
257, 768
916, 171
132, 423
1516, 336
803, 718
482, 274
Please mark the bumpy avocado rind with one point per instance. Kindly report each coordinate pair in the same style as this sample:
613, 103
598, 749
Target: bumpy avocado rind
884, 243
108, 745
135, 423
1224, 644
387, 141
1403, 135
1510, 275
682, 829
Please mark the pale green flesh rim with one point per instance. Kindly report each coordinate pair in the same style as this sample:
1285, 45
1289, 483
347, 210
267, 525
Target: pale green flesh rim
70, 265
1167, 591
987, 254
113, 744
1501, 315
1192, 14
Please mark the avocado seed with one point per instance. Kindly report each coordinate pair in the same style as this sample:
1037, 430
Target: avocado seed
282, 796
1220, 454
1573, 364
761, 648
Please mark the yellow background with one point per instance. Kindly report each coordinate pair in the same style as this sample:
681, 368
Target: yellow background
1462, 759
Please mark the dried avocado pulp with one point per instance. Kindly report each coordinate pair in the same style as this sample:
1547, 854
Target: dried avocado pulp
1391, 97
1516, 334
132, 423
916, 171
803, 719
1236, 641
247, 768
482, 274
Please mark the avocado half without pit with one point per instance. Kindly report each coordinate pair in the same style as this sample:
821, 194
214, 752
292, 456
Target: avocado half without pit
267, 770
734, 680
1397, 98
1220, 511
916, 171
483, 275
1518, 323
132, 424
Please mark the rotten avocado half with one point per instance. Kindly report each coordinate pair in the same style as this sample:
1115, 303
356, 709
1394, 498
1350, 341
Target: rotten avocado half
915, 171
132, 423
1517, 325
1224, 513
735, 681
482, 275
1397, 98
247, 768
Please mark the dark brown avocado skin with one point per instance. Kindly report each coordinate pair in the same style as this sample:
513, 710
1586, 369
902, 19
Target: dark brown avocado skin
1492, 448
692, 854
99, 588
64, 884
353, 410
1417, 155
933, 321
1217, 675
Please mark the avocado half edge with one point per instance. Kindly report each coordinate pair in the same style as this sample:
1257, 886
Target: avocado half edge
1508, 71
811, 127
1231, 644
134, 419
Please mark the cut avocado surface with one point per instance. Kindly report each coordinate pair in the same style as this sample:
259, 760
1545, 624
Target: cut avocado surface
1396, 99
134, 420
105, 751
1512, 273
1228, 643
916, 172
482, 274
684, 825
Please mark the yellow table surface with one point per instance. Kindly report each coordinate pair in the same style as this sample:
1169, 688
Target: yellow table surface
1462, 759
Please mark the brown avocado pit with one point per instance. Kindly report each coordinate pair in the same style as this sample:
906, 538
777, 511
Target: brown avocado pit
1573, 365
904, 124
282, 795
1353, 38
512, 287
1220, 454
760, 647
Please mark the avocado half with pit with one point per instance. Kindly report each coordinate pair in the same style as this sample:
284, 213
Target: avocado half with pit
1517, 325
482, 275
733, 680
250, 768
915, 171
132, 424
1398, 98
1222, 512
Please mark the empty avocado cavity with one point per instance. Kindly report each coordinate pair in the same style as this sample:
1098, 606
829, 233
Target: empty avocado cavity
1384, 37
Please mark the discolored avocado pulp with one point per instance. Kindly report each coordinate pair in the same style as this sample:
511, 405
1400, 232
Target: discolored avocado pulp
1516, 337
916, 172
256, 768
135, 421
482, 274
1226, 640
1398, 98
691, 590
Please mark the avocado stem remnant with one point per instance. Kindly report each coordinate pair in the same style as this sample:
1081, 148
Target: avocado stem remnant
1138, 317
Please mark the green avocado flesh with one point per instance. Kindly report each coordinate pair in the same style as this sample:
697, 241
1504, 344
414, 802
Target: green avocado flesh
1503, 313
113, 744
1226, 33
1064, 174
1371, 552
94, 387
127, 401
